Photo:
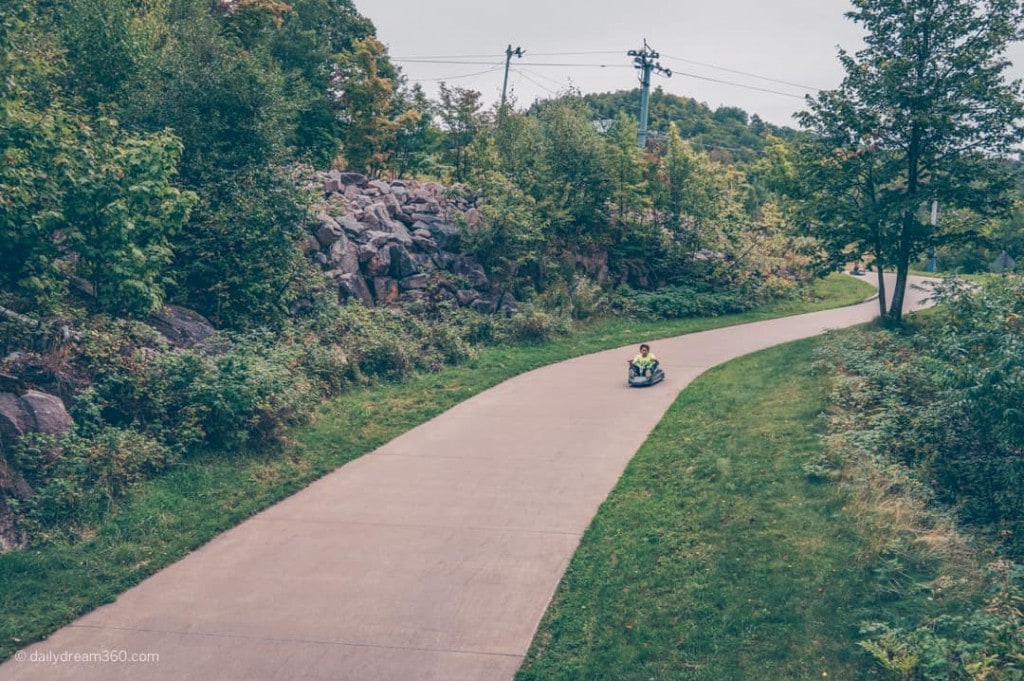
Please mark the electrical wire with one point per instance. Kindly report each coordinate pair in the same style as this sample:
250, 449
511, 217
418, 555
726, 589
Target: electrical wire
743, 73
559, 83
535, 82
729, 82
485, 63
464, 75
465, 59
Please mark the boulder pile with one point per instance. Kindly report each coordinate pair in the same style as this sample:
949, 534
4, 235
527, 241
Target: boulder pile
383, 241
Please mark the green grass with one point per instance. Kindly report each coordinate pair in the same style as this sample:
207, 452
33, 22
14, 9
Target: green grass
47, 586
715, 557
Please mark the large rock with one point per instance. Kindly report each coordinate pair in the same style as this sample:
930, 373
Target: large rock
380, 185
470, 271
357, 179
376, 215
354, 286
385, 290
399, 232
379, 264
484, 305
48, 412
415, 282
329, 230
181, 326
352, 227
333, 183
473, 219
32, 412
345, 256
402, 264
15, 418
466, 296
424, 243
446, 235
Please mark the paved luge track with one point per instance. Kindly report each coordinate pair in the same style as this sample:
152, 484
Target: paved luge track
433, 557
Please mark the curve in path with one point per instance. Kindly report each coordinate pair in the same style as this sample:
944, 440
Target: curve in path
434, 557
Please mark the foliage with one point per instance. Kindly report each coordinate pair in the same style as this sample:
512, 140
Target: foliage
372, 122
460, 116
119, 214
922, 109
106, 206
931, 419
728, 133
77, 480
237, 261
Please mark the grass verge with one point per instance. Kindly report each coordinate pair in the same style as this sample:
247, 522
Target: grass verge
47, 586
716, 557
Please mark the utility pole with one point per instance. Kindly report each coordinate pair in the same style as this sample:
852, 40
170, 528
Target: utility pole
646, 61
509, 53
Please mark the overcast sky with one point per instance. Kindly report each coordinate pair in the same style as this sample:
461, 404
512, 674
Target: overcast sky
567, 42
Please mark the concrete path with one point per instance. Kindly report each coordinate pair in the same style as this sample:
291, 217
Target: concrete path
433, 557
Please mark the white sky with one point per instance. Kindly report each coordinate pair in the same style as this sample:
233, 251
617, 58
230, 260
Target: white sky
785, 40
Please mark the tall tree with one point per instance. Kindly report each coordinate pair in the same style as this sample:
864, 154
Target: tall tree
922, 107
459, 111
371, 116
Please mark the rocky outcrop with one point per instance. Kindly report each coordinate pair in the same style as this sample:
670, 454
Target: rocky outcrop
385, 241
181, 326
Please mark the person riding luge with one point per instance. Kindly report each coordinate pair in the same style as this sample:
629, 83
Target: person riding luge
645, 363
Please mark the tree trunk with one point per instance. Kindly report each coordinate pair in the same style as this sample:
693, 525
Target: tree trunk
908, 230
902, 268
881, 292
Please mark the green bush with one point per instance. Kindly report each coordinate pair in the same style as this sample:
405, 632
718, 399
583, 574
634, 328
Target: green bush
933, 411
986, 643
83, 476
676, 302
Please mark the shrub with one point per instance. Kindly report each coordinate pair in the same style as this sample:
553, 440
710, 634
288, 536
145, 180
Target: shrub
532, 327
80, 484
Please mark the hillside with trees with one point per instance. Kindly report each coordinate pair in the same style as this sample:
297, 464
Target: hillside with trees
217, 214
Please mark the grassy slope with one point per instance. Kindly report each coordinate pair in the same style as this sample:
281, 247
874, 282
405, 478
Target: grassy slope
45, 587
715, 557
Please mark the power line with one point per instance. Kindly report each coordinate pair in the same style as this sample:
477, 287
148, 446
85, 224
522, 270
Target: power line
522, 73
464, 75
729, 82
483, 63
495, 55
467, 62
559, 83
743, 73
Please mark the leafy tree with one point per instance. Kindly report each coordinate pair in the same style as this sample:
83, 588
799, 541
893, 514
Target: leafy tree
228, 105
30, 198
104, 47
372, 122
920, 112
119, 212
462, 120
690, 192
307, 47
510, 241
416, 144
238, 261
573, 190
626, 161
